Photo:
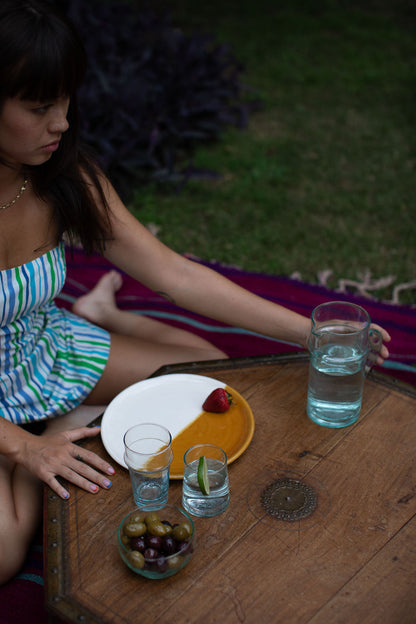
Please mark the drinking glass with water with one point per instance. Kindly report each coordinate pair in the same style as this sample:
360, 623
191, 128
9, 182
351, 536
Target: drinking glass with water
342, 348
217, 496
148, 455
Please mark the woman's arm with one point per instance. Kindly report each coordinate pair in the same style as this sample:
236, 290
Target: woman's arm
195, 287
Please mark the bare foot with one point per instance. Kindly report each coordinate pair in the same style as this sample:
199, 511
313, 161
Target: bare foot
101, 300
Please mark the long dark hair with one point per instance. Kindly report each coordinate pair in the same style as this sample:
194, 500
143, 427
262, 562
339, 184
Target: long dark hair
43, 58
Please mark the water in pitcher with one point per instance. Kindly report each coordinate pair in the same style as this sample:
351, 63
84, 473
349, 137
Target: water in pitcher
336, 379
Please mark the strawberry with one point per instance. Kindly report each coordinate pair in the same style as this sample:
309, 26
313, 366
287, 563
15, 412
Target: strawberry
218, 401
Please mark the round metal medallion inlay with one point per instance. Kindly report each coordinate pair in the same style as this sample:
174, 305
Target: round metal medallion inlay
288, 499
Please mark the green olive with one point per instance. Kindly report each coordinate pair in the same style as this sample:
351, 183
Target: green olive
168, 528
174, 562
188, 528
135, 529
135, 559
182, 532
157, 528
125, 540
151, 518
136, 517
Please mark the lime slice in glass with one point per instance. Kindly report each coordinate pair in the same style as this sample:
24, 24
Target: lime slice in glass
203, 475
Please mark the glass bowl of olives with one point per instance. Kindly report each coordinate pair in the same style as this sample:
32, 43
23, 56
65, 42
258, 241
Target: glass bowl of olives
156, 544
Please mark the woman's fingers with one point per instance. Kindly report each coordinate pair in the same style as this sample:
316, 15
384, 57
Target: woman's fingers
84, 457
80, 474
90, 478
385, 334
73, 435
56, 487
384, 352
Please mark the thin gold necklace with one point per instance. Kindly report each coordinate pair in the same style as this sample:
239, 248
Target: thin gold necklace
18, 196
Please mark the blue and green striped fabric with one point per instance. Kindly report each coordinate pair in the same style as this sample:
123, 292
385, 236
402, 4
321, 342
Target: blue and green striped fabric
50, 359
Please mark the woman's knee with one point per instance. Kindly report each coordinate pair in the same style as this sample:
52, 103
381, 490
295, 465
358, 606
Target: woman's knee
13, 553
16, 537
20, 513
211, 353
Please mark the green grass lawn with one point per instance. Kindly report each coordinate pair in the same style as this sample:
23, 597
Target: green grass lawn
324, 175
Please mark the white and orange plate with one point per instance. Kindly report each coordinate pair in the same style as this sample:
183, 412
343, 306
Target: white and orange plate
175, 401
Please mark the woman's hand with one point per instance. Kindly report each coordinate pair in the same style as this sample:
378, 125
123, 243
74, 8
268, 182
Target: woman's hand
55, 455
384, 352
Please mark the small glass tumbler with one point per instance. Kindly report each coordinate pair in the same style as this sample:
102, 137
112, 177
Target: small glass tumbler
148, 455
218, 499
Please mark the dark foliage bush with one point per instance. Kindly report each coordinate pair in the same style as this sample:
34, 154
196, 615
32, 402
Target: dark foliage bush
152, 93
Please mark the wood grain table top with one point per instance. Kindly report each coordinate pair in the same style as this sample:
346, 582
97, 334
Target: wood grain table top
353, 559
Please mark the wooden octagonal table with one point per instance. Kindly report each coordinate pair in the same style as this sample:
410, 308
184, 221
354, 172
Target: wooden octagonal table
352, 558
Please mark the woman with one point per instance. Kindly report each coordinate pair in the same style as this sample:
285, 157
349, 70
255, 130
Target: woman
52, 360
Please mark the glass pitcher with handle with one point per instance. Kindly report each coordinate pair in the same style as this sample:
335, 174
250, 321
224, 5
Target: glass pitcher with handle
342, 348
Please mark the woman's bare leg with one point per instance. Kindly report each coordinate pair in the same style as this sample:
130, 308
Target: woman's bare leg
20, 513
133, 359
80, 416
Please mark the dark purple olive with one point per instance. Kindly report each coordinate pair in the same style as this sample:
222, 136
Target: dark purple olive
151, 553
154, 541
184, 548
150, 564
138, 543
161, 565
169, 545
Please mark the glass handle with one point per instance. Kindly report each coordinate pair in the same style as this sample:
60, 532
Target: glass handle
375, 343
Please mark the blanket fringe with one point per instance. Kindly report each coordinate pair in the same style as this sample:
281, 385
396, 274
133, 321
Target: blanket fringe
364, 285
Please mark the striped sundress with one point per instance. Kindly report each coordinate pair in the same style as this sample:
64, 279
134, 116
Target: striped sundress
50, 359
